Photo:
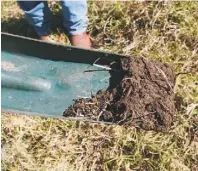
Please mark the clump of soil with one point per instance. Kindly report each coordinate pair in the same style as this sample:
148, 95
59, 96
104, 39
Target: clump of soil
144, 98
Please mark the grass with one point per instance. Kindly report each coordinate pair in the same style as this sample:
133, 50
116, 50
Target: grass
164, 31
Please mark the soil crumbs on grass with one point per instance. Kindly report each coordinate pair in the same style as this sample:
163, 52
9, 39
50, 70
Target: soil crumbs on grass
144, 98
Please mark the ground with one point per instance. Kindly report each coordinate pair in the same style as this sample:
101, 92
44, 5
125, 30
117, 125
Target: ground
160, 31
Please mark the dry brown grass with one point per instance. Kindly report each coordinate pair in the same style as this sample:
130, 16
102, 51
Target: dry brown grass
162, 31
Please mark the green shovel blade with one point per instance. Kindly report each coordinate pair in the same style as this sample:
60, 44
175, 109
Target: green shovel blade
44, 86
44, 79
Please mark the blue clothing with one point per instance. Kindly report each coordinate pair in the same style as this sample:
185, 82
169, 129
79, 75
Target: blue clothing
39, 16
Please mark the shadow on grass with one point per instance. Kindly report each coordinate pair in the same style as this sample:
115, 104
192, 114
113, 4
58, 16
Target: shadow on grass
20, 26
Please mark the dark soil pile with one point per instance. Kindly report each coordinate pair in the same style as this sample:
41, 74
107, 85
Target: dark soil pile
144, 98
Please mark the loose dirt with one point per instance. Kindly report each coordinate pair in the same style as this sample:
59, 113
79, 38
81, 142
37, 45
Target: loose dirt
7, 66
144, 98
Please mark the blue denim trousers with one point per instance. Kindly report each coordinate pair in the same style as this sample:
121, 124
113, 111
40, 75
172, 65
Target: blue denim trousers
40, 17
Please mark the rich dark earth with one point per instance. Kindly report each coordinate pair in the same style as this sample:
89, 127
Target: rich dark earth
144, 98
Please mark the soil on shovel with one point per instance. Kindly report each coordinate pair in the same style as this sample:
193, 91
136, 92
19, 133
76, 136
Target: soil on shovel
144, 98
